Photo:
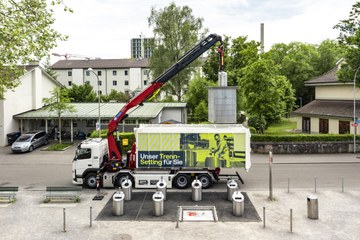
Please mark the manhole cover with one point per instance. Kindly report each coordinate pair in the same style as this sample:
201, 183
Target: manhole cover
122, 237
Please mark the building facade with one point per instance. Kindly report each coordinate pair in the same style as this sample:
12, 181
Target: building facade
124, 75
334, 106
140, 47
34, 85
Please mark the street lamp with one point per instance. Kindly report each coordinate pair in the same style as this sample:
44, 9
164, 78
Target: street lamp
98, 87
355, 109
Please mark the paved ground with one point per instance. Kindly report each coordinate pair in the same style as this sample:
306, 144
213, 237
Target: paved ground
29, 218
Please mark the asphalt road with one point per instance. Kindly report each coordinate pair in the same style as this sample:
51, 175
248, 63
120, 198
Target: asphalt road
39, 169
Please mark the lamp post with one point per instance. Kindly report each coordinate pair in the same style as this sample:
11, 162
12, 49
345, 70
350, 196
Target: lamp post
98, 87
355, 109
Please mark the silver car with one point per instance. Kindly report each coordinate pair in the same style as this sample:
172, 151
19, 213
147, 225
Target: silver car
27, 142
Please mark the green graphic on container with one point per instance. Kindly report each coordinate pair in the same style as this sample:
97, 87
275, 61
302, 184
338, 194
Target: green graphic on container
175, 150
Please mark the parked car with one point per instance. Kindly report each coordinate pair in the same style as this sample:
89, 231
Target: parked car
27, 142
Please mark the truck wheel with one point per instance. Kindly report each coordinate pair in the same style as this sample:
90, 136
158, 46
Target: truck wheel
205, 180
122, 177
181, 181
90, 180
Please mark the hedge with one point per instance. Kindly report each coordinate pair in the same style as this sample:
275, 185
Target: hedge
126, 135
303, 138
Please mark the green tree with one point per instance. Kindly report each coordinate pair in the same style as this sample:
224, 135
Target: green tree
264, 92
197, 93
82, 93
176, 31
26, 35
330, 52
59, 102
201, 111
349, 39
116, 96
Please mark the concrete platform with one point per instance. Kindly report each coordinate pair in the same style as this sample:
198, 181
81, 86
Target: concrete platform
141, 207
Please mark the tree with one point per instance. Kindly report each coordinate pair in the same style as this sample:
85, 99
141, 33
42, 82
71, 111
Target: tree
82, 93
26, 35
176, 31
48, 69
59, 102
116, 96
349, 39
264, 92
197, 93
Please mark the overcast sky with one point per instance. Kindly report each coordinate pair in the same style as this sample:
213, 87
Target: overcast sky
103, 28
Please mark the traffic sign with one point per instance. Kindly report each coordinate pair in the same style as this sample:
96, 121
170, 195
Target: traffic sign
354, 124
357, 121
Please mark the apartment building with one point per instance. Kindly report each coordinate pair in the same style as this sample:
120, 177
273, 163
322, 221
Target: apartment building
140, 47
125, 75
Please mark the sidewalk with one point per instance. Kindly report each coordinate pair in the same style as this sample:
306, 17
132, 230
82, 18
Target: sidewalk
29, 218
306, 158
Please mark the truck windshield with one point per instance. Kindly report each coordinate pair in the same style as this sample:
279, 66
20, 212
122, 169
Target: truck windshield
83, 153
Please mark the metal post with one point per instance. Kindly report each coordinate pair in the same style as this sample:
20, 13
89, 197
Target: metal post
291, 220
315, 184
355, 109
90, 216
288, 185
98, 88
177, 217
270, 176
64, 220
263, 217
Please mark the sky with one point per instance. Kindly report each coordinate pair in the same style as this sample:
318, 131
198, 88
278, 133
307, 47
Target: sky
103, 28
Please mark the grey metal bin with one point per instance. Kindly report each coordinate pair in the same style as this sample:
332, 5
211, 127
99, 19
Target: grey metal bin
118, 203
158, 199
312, 207
161, 187
196, 189
238, 203
127, 189
232, 186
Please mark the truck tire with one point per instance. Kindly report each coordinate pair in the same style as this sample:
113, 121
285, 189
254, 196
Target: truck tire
90, 180
122, 177
205, 180
181, 181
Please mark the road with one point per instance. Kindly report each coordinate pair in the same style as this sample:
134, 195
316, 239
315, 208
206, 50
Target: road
39, 169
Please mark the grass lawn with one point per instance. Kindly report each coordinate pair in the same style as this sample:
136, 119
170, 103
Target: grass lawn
285, 126
58, 147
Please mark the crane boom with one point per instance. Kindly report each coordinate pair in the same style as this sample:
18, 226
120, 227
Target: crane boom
185, 60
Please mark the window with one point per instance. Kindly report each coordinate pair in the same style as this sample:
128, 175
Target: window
145, 82
114, 83
91, 123
126, 82
83, 153
324, 125
69, 73
87, 73
69, 83
99, 83
306, 125
145, 72
344, 127
100, 92
114, 73
87, 82
126, 72
130, 121
99, 73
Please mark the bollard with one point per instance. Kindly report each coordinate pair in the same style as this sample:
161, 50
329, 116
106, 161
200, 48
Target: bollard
238, 203
263, 217
90, 216
312, 207
158, 199
64, 218
118, 203
288, 185
196, 190
161, 187
127, 189
291, 220
231, 188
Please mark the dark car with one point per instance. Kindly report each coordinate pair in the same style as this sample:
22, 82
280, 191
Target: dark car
27, 142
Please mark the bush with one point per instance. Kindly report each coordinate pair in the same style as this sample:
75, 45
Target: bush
303, 138
127, 135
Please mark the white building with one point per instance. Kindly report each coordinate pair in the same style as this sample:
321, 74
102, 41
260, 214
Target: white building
124, 75
35, 85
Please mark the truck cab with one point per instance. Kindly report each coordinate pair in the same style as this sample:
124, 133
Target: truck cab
88, 158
